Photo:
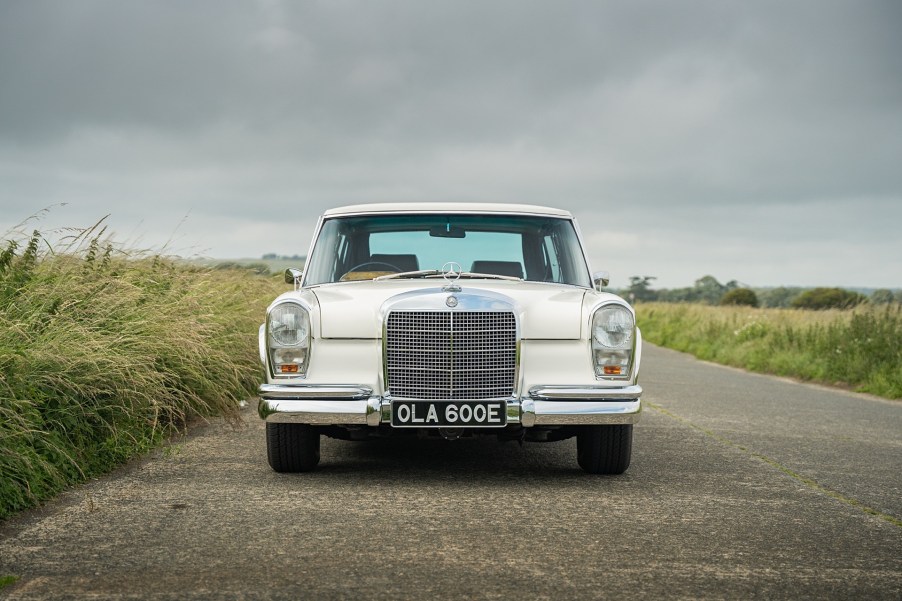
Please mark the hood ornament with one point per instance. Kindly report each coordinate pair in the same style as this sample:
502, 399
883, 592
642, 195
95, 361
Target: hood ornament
451, 272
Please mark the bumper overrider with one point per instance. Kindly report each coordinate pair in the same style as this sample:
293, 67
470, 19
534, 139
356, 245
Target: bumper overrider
542, 406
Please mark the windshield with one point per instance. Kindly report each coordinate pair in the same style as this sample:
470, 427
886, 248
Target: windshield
537, 249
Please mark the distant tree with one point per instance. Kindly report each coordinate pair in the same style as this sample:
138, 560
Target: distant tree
778, 297
270, 256
740, 296
640, 288
706, 290
678, 295
898, 296
709, 290
882, 296
827, 298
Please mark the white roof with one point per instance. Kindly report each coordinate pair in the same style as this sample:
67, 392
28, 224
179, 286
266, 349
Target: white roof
445, 207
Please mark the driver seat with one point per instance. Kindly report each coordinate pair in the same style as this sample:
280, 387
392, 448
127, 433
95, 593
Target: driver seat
508, 268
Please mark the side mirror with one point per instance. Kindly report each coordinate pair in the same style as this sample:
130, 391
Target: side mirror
293, 276
601, 279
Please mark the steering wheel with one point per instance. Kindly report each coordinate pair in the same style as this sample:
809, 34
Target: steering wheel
392, 268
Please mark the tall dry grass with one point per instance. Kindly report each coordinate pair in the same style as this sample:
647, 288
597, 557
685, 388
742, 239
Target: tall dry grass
104, 353
859, 348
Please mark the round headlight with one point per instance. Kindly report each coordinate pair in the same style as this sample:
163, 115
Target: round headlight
288, 325
613, 327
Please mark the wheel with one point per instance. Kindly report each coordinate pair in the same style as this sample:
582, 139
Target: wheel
292, 447
604, 449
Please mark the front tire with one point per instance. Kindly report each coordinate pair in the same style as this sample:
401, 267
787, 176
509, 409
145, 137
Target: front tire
292, 447
604, 449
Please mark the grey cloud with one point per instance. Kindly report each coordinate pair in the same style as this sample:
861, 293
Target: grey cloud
239, 112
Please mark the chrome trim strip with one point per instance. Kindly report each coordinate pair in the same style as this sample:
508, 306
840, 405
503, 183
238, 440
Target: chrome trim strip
563, 413
316, 412
376, 410
585, 393
314, 392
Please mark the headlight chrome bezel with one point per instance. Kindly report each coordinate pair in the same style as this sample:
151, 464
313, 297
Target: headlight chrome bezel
612, 339
287, 347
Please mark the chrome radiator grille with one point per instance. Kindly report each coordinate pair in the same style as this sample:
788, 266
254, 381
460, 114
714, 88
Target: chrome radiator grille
451, 355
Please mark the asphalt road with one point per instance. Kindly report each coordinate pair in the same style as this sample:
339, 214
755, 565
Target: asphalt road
742, 486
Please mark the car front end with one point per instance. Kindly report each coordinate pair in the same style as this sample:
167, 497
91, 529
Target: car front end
519, 344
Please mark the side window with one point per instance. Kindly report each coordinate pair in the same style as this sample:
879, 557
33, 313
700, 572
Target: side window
551, 259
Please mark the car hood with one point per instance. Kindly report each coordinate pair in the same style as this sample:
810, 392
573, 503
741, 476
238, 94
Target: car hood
355, 309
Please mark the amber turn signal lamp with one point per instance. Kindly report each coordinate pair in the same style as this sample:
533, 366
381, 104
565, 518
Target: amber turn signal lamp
612, 370
293, 369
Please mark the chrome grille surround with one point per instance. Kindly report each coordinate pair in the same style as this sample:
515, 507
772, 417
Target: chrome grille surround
451, 355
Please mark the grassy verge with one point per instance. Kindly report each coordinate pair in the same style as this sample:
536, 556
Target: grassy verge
103, 354
857, 348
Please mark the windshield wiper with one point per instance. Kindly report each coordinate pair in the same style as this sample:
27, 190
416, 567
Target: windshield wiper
436, 273
489, 276
408, 274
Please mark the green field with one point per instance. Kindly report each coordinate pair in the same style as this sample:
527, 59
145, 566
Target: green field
857, 348
104, 354
272, 266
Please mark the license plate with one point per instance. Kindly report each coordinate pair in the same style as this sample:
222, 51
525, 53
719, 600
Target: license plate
448, 414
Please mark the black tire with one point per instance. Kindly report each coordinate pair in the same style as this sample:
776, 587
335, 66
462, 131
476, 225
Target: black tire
604, 449
292, 447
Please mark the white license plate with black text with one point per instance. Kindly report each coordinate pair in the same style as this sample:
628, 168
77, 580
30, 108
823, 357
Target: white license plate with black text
448, 414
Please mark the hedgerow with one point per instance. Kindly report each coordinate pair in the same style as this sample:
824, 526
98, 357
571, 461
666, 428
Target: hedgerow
105, 352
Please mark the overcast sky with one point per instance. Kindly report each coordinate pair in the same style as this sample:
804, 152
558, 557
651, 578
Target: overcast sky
757, 141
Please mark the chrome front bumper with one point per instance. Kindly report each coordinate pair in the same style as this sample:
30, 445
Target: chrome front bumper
356, 405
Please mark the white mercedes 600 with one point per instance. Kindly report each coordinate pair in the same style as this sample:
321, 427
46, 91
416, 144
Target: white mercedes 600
449, 320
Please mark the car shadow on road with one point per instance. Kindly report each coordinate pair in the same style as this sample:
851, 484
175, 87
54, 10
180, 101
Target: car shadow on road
479, 460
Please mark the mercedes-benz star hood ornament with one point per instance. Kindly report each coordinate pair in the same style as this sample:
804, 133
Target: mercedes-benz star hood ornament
451, 272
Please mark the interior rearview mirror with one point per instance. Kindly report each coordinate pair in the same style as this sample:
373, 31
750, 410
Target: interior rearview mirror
447, 231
